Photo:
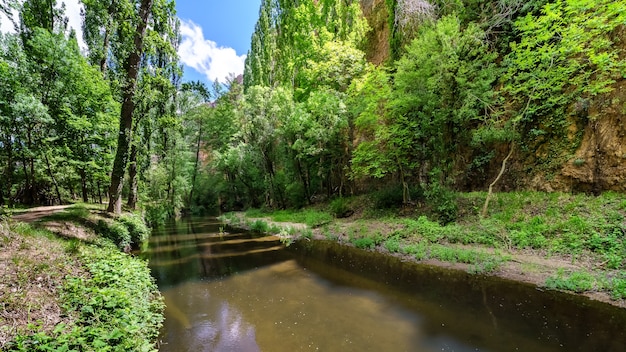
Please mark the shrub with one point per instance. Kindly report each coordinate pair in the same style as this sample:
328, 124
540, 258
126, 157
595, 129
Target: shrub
618, 288
418, 250
364, 243
393, 244
339, 208
577, 281
443, 202
117, 307
139, 232
156, 214
260, 226
116, 232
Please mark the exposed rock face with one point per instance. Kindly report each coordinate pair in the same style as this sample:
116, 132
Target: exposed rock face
600, 161
377, 49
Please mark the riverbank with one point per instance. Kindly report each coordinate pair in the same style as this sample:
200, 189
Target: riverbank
66, 284
573, 243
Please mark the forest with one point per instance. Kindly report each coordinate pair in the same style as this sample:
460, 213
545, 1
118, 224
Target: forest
413, 99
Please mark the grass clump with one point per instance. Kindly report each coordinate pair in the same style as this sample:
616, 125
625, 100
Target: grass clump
578, 281
259, 226
340, 208
617, 287
310, 217
364, 243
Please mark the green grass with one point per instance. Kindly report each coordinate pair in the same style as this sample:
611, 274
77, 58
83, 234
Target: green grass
126, 230
555, 222
115, 304
576, 226
578, 281
119, 308
310, 217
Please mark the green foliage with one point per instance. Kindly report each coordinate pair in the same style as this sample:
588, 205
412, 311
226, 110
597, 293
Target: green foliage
388, 198
340, 207
368, 99
156, 213
418, 250
392, 244
577, 281
289, 36
443, 201
530, 233
260, 226
116, 232
561, 58
136, 226
310, 217
117, 306
618, 288
124, 231
365, 242
443, 83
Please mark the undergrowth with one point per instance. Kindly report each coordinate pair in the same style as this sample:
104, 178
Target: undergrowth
118, 306
310, 217
114, 302
573, 226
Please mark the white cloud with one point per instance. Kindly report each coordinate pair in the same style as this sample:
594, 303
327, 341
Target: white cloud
72, 11
205, 56
6, 26
75, 20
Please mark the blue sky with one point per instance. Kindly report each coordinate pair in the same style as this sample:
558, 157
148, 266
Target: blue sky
215, 35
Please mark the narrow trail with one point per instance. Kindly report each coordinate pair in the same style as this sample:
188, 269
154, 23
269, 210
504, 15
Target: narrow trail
34, 214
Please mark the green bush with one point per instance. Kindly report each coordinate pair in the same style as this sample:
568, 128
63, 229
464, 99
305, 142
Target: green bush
618, 288
260, 226
392, 244
387, 198
156, 214
418, 250
296, 195
139, 232
116, 232
443, 202
340, 208
577, 281
364, 243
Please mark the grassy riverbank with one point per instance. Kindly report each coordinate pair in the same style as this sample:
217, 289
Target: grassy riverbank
67, 286
554, 240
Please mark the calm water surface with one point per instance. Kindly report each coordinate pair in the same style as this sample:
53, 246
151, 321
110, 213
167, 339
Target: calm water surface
238, 292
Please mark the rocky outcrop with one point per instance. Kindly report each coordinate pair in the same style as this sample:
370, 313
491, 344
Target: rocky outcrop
377, 45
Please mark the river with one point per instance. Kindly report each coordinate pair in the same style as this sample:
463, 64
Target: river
227, 290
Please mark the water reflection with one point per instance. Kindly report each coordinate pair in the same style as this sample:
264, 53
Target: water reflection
236, 292
282, 307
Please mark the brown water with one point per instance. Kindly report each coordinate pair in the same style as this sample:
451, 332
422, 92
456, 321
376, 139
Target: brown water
238, 292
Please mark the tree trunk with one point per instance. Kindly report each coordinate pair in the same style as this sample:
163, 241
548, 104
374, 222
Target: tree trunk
83, 185
10, 171
126, 117
132, 178
195, 167
490, 192
54, 180
99, 192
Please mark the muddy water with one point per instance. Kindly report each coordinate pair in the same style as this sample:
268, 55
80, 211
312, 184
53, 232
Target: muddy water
237, 292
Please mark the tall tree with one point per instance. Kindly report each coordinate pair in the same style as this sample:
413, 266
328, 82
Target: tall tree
131, 69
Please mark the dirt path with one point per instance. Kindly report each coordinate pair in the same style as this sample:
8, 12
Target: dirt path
34, 214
